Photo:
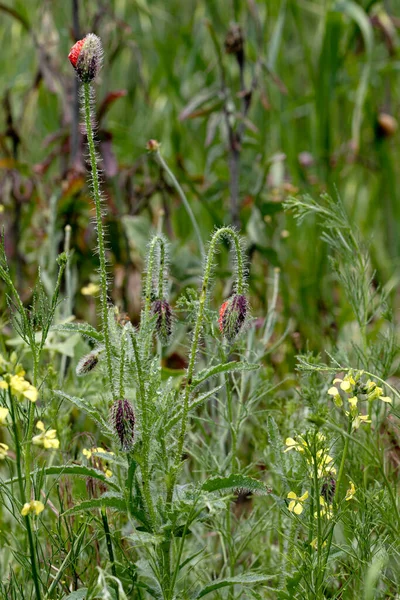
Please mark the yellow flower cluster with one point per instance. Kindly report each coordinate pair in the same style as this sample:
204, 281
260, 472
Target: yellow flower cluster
353, 386
3, 415
47, 438
19, 386
98, 464
324, 461
34, 506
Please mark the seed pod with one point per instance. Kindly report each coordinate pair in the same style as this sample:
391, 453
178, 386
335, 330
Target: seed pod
328, 490
232, 316
86, 57
87, 363
123, 421
162, 310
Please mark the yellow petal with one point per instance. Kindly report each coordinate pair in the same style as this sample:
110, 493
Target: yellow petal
40, 425
386, 399
292, 504
303, 497
298, 509
292, 495
26, 509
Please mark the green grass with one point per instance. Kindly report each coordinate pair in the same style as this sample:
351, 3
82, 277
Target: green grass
198, 506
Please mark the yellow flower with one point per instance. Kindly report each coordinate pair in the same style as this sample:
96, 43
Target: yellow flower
91, 289
47, 439
359, 419
3, 451
374, 391
314, 544
346, 384
20, 387
325, 509
296, 502
3, 415
34, 506
108, 473
333, 391
324, 464
293, 445
351, 491
88, 453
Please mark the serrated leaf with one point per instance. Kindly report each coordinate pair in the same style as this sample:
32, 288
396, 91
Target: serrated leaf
229, 367
234, 481
195, 404
245, 579
116, 502
90, 410
82, 328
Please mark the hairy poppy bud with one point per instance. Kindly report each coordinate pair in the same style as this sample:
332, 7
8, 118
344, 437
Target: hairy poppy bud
162, 310
123, 421
232, 316
328, 490
234, 42
86, 57
87, 363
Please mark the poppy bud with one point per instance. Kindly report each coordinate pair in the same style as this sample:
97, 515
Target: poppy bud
162, 310
232, 316
123, 421
234, 40
86, 57
328, 490
87, 363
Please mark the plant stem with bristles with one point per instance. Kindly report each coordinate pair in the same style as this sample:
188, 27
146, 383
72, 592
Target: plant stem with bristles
100, 235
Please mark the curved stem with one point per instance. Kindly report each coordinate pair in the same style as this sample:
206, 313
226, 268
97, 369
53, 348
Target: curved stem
220, 233
100, 234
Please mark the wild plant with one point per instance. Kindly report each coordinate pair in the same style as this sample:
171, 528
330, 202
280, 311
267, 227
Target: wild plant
136, 492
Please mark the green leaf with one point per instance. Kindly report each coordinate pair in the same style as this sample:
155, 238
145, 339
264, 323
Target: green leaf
245, 579
196, 403
227, 368
117, 502
89, 409
78, 595
233, 481
81, 471
82, 328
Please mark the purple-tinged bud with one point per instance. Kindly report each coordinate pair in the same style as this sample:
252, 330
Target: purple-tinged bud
234, 40
86, 57
232, 316
162, 310
87, 363
123, 421
328, 490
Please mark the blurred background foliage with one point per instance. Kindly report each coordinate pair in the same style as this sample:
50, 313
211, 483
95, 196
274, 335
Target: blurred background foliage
304, 99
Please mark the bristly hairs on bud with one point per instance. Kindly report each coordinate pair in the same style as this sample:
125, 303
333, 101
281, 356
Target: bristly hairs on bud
156, 300
88, 362
86, 58
123, 422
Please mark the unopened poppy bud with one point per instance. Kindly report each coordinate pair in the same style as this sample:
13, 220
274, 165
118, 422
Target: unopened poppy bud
87, 363
152, 146
328, 490
123, 421
232, 316
86, 57
234, 42
162, 310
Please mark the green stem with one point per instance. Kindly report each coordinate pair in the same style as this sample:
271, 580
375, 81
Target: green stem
110, 548
182, 196
23, 498
144, 465
223, 232
100, 235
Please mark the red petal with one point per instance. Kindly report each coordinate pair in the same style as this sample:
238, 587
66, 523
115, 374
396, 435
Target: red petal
75, 51
221, 315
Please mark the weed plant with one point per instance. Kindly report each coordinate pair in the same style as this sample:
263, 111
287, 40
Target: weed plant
123, 480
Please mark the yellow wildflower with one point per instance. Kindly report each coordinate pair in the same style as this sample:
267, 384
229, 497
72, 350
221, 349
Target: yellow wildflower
314, 544
91, 289
296, 502
47, 439
359, 419
334, 392
346, 384
34, 506
20, 387
351, 491
3, 415
293, 445
326, 510
324, 464
108, 473
3, 451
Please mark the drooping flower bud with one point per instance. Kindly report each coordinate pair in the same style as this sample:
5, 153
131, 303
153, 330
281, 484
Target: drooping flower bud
87, 363
162, 310
123, 421
86, 57
234, 40
232, 316
328, 490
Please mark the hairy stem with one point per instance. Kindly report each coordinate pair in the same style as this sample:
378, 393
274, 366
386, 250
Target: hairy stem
100, 234
110, 550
